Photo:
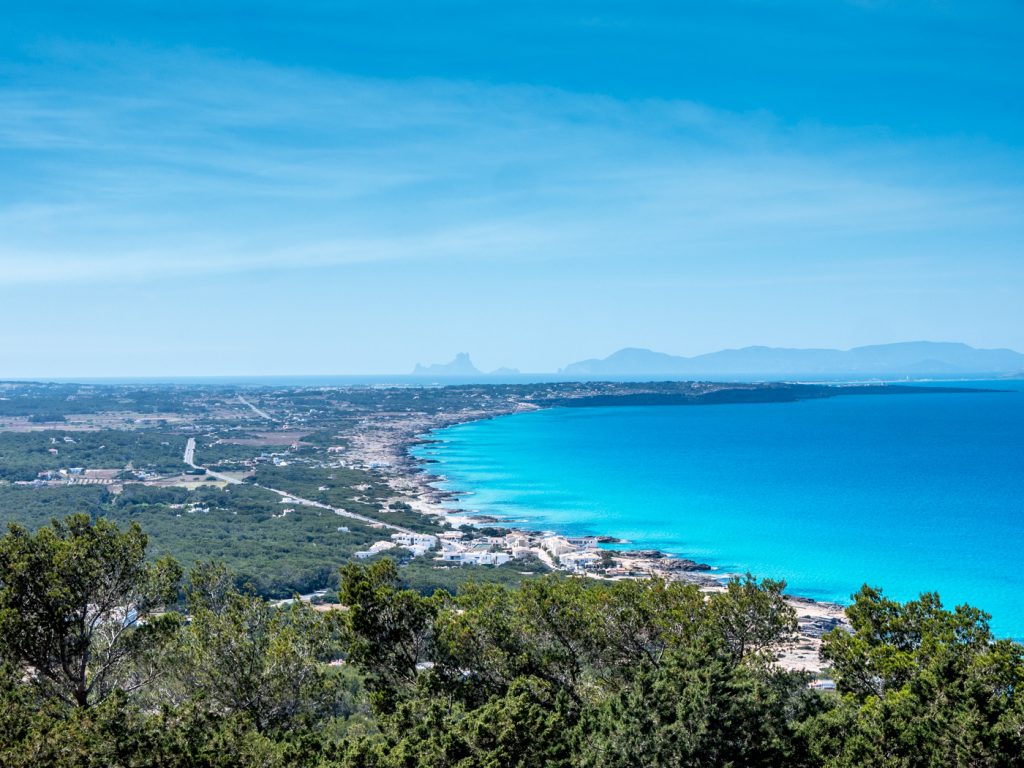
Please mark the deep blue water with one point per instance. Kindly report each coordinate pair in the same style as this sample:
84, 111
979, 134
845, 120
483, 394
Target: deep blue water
910, 493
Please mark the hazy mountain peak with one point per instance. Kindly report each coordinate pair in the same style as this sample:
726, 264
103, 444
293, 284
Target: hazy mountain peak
904, 358
460, 365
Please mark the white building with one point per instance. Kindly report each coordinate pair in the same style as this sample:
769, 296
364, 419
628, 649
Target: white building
557, 545
417, 543
474, 557
414, 539
579, 561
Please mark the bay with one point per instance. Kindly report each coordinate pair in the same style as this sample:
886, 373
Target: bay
910, 493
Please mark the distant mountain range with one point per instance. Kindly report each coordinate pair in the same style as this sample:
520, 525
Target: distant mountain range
914, 358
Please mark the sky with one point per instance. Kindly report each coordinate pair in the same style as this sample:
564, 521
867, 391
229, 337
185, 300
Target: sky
279, 188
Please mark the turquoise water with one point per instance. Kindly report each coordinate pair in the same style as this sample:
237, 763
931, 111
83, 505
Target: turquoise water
909, 493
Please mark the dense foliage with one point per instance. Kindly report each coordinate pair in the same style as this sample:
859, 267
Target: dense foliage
242, 526
23, 455
109, 659
245, 526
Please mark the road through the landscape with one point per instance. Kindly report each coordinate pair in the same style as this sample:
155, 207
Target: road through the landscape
257, 411
189, 458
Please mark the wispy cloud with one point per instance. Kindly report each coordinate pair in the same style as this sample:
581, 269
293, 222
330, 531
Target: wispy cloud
136, 165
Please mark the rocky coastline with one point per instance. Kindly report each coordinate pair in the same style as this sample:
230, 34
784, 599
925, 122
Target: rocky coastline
387, 445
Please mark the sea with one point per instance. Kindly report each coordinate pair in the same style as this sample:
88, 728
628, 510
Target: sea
910, 493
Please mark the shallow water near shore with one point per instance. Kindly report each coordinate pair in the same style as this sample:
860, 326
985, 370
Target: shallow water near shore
910, 493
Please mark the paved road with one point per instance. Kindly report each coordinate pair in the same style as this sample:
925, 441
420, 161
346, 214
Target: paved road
337, 511
190, 459
256, 410
190, 453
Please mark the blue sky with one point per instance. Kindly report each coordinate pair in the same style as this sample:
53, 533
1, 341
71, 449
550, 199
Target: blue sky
262, 188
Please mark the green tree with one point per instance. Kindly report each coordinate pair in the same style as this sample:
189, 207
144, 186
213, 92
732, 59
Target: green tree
919, 685
524, 728
80, 608
387, 629
753, 617
699, 708
573, 672
243, 656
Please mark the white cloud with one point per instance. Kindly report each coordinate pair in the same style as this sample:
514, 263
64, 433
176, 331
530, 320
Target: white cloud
138, 166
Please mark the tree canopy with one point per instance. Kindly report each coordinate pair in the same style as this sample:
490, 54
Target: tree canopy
79, 607
108, 659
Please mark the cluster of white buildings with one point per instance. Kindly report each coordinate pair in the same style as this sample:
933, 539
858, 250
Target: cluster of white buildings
417, 543
471, 552
478, 554
578, 555
573, 554
73, 476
